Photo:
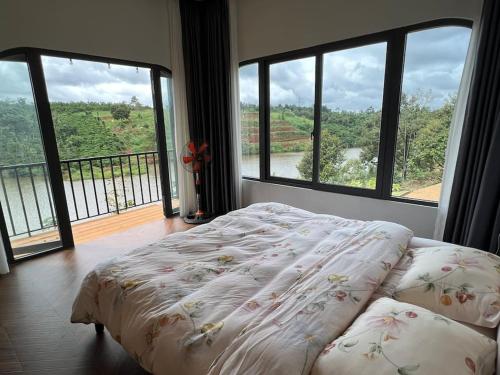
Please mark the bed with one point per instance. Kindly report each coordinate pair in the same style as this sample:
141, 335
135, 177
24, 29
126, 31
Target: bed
226, 297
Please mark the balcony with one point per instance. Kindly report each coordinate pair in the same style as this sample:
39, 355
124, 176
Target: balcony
104, 195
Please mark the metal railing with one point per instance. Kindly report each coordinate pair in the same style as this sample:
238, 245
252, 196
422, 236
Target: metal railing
93, 186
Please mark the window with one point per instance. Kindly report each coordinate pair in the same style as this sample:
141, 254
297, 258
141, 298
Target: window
353, 88
84, 136
433, 68
291, 117
168, 115
26, 194
249, 117
368, 116
98, 110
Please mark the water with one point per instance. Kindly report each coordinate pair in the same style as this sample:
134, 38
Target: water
285, 164
96, 202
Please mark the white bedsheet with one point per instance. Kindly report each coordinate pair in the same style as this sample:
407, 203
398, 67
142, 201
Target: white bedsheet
260, 290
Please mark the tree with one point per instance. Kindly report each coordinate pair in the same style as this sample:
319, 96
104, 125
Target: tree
415, 115
82, 135
428, 159
369, 139
135, 103
20, 133
120, 111
330, 160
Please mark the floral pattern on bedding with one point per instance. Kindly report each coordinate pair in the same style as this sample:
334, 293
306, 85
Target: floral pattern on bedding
269, 277
398, 338
461, 283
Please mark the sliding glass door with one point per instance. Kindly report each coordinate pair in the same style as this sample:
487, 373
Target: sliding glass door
104, 123
25, 186
82, 137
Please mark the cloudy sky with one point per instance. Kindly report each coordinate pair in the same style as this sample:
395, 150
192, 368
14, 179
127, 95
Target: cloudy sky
78, 80
353, 79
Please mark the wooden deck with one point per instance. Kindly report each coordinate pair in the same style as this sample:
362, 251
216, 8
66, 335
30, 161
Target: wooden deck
93, 229
429, 193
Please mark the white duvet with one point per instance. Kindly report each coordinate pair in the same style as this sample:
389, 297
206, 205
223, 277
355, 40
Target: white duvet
260, 290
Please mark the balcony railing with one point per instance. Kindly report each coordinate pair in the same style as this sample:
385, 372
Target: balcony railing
94, 186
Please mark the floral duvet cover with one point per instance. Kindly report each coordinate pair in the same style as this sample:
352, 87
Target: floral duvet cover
257, 291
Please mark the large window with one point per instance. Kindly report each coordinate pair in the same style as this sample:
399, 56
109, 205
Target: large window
249, 112
433, 68
98, 110
291, 87
368, 116
353, 87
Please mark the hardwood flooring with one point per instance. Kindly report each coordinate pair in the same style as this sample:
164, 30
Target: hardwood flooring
36, 336
95, 228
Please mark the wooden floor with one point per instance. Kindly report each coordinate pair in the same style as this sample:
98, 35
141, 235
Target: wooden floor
36, 336
93, 229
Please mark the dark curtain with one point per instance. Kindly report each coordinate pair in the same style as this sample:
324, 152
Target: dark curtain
474, 212
205, 40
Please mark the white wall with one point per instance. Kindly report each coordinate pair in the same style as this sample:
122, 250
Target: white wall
127, 29
267, 27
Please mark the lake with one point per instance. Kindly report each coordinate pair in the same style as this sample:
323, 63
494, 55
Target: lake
285, 164
76, 204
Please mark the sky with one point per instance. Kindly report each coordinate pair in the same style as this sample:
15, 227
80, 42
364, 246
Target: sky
78, 80
353, 79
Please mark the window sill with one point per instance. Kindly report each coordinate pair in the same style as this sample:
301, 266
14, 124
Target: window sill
345, 190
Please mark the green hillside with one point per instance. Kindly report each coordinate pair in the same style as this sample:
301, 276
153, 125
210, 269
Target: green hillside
82, 130
420, 146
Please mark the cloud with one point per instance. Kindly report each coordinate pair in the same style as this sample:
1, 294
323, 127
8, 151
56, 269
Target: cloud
434, 61
249, 84
353, 79
15, 81
78, 80
292, 82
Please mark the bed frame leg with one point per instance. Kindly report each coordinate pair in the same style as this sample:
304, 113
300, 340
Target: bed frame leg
99, 328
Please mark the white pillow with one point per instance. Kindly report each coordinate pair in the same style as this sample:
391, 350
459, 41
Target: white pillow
459, 282
398, 338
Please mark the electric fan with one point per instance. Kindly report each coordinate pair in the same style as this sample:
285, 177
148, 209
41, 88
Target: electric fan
194, 160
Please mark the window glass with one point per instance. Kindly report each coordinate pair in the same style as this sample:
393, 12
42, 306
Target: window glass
352, 93
103, 110
249, 117
26, 194
433, 68
292, 117
168, 115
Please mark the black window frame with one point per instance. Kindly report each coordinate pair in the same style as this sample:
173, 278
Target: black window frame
33, 57
393, 79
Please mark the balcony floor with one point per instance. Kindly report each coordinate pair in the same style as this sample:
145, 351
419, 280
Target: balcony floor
92, 229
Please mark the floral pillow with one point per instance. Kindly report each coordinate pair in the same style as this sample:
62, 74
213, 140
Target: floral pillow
459, 282
392, 337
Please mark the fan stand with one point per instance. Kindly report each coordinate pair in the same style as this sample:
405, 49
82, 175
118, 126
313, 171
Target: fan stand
199, 217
